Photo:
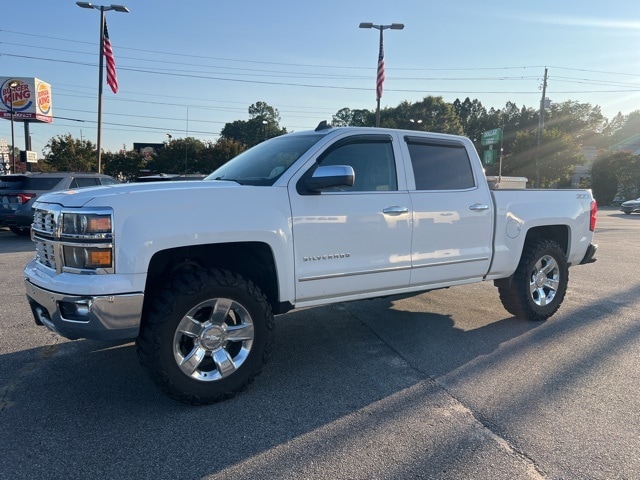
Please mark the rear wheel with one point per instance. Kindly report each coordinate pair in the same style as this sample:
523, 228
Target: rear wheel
206, 336
538, 286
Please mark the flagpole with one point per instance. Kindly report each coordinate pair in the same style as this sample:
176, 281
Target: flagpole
378, 80
102, 8
100, 78
380, 69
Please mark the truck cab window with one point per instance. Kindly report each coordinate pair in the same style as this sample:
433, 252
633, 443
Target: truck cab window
440, 166
372, 161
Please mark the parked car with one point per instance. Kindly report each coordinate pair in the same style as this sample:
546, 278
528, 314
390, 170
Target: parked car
617, 201
19, 191
630, 206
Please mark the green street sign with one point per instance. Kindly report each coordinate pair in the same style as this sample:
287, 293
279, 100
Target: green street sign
491, 137
489, 157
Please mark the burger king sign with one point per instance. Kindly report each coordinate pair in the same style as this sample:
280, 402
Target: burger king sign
31, 99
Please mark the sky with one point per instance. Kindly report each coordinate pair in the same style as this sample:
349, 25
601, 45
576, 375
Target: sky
186, 68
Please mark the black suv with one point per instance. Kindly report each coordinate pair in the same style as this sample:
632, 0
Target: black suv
19, 191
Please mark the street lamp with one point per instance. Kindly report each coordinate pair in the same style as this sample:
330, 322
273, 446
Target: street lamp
380, 75
12, 85
102, 8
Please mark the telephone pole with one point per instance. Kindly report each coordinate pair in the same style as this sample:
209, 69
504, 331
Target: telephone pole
540, 126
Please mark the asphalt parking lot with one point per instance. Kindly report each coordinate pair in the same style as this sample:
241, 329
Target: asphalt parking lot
442, 385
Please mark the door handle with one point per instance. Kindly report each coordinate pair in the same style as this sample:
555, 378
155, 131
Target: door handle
395, 210
478, 207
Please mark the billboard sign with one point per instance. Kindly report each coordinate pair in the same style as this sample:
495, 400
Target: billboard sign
31, 99
491, 137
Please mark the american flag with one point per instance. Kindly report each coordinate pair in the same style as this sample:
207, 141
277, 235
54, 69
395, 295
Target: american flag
112, 79
380, 78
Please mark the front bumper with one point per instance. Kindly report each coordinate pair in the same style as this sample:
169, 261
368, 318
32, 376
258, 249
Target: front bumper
103, 317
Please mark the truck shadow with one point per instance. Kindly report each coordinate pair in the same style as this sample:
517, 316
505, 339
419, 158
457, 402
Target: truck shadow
328, 363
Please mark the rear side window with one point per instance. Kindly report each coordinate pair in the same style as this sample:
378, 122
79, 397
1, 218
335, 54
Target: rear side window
108, 181
80, 182
38, 183
440, 165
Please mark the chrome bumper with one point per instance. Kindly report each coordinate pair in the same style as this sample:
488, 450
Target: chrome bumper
112, 317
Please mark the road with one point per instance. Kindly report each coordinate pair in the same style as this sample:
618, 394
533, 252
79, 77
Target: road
443, 385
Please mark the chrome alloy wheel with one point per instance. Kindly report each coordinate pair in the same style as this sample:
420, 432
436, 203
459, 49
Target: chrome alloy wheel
213, 339
544, 281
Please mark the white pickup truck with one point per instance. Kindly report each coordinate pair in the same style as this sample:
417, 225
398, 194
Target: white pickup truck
195, 271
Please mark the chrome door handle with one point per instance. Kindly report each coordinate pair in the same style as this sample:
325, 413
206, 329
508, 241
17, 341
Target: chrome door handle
395, 210
478, 207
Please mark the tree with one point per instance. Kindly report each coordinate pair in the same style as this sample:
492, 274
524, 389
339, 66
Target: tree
622, 128
124, 165
580, 120
345, 117
431, 114
263, 124
627, 168
473, 118
224, 150
68, 154
556, 157
604, 182
264, 112
179, 155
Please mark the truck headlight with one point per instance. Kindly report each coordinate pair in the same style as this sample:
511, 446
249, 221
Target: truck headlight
86, 257
86, 225
87, 241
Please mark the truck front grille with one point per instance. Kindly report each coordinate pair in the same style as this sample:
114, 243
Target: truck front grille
53, 243
45, 254
44, 222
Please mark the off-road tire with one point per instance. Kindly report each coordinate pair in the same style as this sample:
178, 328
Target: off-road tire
189, 320
538, 286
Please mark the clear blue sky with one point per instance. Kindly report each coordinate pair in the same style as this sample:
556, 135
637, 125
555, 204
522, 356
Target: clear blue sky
191, 66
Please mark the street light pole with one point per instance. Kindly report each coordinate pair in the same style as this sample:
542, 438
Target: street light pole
102, 8
380, 71
12, 85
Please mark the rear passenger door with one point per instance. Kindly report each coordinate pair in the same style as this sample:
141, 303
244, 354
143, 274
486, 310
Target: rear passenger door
453, 217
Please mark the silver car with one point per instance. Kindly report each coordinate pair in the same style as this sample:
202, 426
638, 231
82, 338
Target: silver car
630, 206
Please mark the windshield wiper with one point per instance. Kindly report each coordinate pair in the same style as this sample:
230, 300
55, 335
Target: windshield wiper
221, 178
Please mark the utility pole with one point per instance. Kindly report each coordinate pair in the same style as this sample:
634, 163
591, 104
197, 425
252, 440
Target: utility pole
540, 126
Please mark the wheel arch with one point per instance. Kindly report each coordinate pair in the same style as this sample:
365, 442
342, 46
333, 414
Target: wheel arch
556, 233
254, 261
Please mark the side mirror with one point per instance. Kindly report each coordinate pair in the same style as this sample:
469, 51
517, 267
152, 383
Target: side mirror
331, 176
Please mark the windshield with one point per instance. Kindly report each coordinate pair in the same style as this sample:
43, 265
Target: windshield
267, 161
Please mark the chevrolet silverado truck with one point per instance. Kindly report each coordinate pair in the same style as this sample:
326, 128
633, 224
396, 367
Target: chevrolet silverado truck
194, 272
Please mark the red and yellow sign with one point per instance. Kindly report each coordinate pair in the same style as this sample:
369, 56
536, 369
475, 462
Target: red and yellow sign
30, 98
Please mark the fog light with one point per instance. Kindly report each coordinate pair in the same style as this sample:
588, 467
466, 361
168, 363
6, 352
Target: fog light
77, 311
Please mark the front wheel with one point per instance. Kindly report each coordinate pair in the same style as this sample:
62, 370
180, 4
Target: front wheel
538, 286
206, 336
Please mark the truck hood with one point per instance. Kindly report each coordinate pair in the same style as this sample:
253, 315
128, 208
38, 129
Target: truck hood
100, 195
